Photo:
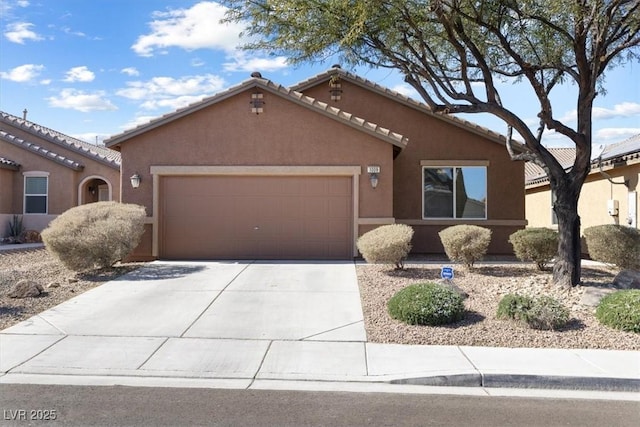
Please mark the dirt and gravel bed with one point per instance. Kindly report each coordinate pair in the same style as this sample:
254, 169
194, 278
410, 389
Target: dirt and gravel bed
59, 283
486, 284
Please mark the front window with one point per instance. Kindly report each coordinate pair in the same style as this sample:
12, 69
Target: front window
455, 192
36, 194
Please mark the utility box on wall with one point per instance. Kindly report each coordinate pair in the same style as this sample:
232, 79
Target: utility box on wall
632, 218
613, 207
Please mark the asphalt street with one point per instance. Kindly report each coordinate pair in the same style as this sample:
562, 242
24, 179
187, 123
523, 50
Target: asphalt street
28, 405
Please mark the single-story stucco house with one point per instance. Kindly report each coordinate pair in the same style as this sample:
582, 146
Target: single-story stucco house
264, 171
609, 194
44, 172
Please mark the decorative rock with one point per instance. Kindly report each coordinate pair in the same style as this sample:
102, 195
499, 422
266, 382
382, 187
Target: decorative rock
26, 289
592, 296
627, 279
72, 279
53, 285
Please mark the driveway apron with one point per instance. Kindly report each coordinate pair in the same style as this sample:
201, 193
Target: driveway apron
190, 319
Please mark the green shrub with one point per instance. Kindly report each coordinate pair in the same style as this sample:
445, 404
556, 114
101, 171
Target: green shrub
389, 244
465, 243
514, 306
426, 304
614, 244
539, 313
621, 310
547, 313
539, 245
95, 235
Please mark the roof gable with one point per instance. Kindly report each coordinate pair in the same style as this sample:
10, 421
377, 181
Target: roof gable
41, 151
348, 119
100, 154
398, 97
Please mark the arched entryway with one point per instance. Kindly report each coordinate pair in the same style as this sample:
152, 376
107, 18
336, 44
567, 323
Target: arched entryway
94, 189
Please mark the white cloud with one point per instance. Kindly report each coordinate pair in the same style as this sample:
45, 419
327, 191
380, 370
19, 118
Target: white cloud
625, 109
22, 3
71, 32
161, 92
139, 120
608, 135
79, 74
45, 82
18, 32
242, 63
130, 71
197, 62
22, 73
92, 138
198, 27
405, 89
82, 101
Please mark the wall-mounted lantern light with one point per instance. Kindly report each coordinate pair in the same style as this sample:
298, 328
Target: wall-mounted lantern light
373, 172
135, 180
257, 102
92, 190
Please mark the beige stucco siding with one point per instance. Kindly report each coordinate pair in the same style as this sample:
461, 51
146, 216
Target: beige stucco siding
592, 205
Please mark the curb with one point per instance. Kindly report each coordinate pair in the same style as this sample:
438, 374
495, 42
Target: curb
526, 382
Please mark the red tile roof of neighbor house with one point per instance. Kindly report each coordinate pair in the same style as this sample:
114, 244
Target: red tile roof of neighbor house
604, 155
396, 96
41, 151
101, 154
267, 85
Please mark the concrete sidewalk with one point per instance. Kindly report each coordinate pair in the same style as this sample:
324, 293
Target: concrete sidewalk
267, 325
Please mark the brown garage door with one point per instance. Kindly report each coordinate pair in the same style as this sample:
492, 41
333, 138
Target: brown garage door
256, 217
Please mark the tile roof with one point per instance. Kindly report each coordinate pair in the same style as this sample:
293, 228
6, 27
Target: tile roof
410, 102
48, 154
8, 164
297, 97
101, 154
611, 154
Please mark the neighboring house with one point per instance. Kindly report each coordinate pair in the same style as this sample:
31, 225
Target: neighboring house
44, 172
263, 171
609, 194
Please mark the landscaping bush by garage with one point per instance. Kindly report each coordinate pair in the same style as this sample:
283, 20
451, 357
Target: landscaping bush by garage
95, 235
621, 310
389, 244
465, 243
539, 245
514, 307
426, 304
614, 244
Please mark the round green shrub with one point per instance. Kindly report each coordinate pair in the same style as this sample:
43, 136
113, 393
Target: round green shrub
614, 244
389, 244
621, 310
514, 306
95, 235
547, 313
426, 304
465, 243
539, 245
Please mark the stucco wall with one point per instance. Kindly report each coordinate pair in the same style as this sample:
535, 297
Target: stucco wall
433, 139
6, 190
592, 205
285, 134
63, 181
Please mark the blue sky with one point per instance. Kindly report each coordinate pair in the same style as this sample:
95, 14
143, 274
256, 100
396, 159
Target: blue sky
96, 68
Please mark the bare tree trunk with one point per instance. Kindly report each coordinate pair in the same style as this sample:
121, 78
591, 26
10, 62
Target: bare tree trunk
566, 270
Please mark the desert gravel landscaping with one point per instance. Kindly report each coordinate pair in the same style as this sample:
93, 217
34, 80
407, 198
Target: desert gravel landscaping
59, 283
485, 285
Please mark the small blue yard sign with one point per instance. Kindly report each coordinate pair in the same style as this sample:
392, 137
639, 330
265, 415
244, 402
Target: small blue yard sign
447, 273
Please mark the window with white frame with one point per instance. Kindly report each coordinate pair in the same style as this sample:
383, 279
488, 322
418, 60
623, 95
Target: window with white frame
455, 192
36, 193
